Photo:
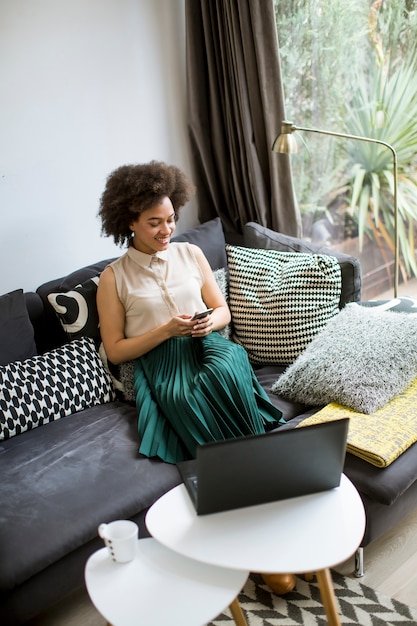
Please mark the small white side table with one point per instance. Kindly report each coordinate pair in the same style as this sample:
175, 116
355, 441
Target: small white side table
161, 587
294, 536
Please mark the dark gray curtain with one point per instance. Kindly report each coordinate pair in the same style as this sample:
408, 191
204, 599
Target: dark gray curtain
235, 108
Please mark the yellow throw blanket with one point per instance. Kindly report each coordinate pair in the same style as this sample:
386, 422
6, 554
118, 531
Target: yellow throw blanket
380, 437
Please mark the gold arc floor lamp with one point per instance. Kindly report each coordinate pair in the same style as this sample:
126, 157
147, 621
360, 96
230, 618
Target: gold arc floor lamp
286, 143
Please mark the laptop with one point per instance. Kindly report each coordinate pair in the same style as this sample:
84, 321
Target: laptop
255, 469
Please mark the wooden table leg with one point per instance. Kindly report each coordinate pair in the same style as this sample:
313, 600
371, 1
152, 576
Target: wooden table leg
237, 613
328, 598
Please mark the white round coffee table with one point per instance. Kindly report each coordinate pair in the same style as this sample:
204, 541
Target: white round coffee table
161, 587
298, 535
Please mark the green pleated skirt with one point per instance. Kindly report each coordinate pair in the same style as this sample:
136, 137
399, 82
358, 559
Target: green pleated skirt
192, 391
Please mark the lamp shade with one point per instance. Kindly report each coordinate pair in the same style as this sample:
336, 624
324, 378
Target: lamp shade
286, 144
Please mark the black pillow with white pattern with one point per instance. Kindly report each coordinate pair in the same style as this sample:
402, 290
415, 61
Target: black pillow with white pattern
77, 310
56, 384
280, 300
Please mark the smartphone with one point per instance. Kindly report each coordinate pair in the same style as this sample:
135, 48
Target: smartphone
198, 316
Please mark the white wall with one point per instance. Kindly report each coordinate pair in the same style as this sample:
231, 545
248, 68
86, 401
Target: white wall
86, 86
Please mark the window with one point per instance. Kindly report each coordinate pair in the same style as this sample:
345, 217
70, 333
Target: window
351, 66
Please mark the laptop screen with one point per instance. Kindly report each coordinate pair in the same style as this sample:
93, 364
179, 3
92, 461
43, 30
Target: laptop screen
263, 468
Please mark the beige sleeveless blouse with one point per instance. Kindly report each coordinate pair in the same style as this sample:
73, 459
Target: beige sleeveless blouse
154, 288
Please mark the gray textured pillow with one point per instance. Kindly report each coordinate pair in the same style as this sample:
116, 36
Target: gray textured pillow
362, 359
222, 280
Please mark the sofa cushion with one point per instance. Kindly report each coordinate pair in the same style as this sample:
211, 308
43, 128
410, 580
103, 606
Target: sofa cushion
85, 470
361, 359
267, 375
256, 236
280, 300
17, 340
210, 238
383, 485
47, 387
77, 310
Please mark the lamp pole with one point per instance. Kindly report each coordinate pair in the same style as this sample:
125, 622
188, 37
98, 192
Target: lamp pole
285, 143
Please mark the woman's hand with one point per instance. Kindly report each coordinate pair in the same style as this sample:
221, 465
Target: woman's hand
202, 326
185, 325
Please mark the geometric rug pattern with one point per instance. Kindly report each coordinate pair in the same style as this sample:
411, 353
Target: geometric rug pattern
357, 603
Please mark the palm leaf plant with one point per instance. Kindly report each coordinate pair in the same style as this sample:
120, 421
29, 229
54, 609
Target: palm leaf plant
384, 107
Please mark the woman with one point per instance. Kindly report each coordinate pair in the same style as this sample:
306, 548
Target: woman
192, 386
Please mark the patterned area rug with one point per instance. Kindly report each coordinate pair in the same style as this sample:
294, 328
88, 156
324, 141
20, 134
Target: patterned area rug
358, 604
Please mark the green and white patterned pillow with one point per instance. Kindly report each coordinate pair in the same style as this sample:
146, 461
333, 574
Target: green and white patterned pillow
280, 300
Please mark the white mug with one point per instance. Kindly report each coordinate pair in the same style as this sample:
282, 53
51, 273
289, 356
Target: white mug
121, 538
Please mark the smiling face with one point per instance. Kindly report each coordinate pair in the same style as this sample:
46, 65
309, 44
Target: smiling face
154, 227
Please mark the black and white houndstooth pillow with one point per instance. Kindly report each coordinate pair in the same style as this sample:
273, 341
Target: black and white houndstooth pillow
47, 387
280, 300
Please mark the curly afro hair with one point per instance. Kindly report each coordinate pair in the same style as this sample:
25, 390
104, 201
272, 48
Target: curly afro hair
131, 189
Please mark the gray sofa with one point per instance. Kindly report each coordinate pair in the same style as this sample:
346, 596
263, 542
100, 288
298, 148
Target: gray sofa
62, 479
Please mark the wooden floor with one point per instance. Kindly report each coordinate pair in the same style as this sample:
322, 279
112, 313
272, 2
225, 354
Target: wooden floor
390, 562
